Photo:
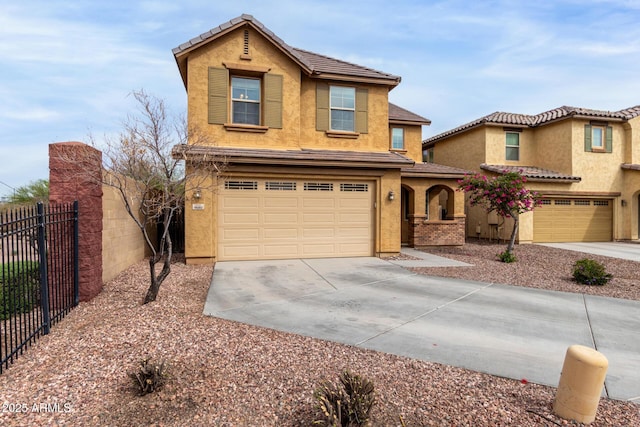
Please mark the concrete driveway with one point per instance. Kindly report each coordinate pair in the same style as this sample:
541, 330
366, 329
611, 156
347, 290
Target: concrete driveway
630, 251
507, 331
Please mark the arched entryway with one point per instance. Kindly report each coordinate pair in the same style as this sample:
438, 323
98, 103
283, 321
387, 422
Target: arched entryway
407, 198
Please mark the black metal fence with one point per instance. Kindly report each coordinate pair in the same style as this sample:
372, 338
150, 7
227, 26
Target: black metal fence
38, 273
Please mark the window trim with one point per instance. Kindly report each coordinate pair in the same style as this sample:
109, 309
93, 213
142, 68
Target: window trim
603, 138
516, 147
332, 109
402, 130
259, 102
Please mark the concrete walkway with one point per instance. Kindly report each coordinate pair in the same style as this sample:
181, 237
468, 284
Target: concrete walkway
630, 251
502, 330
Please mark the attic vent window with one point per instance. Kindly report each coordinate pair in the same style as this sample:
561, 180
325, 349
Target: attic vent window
245, 49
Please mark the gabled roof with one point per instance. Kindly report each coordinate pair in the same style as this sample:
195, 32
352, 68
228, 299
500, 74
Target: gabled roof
532, 173
525, 120
398, 115
312, 64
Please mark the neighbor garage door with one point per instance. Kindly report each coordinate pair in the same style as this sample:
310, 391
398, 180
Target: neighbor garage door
294, 218
573, 220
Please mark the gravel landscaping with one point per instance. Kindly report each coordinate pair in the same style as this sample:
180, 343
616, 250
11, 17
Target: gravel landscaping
223, 373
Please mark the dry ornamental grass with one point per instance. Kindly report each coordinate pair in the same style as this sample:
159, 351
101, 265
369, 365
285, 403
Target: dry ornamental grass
223, 373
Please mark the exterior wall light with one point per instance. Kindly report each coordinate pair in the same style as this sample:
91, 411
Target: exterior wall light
197, 195
623, 202
392, 195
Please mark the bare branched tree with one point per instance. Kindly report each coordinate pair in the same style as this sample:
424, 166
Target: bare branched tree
153, 184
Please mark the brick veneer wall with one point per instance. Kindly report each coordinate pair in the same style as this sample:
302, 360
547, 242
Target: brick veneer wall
435, 233
75, 174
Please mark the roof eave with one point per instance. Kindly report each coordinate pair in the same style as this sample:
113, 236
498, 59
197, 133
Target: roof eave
410, 122
392, 82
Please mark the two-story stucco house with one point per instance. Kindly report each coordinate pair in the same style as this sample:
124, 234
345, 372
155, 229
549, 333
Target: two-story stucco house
318, 163
584, 163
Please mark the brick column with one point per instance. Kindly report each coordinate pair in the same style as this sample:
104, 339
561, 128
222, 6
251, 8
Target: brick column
75, 173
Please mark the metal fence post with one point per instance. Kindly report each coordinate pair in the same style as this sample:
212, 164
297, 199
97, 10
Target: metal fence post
42, 261
76, 255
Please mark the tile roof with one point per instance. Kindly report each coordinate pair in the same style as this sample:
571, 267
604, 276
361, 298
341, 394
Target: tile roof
532, 173
294, 157
506, 119
399, 114
433, 169
311, 63
631, 166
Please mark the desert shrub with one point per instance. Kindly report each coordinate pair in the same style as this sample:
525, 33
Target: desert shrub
149, 377
348, 404
19, 288
507, 256
590, 272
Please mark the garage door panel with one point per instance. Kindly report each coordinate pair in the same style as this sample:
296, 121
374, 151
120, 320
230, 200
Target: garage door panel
281, 202
278, 218
326, 202
279, 251
319, 218
241, 202
280, 233
573, 220
318, 232
240, 218
240, 234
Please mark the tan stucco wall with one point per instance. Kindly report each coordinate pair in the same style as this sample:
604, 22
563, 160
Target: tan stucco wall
263, 54
122, 240
559, 147
412, 142
465, 151
298, 103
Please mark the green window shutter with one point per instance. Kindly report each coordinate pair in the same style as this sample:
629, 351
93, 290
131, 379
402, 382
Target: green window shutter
322, 106
218, 89
273, 101
609, 139
587, 137
362, 110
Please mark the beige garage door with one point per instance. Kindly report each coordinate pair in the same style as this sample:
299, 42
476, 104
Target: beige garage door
573, 220
285, 218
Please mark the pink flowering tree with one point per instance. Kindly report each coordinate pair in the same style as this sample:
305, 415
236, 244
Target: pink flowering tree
505, 194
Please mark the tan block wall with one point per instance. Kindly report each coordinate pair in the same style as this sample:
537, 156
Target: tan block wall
122, 240
554, 138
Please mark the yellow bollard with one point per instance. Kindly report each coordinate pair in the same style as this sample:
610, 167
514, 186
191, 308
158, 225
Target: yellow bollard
581, 383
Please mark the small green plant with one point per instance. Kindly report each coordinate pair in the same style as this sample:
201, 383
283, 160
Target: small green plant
590, 272
507, 256
348, 404
149, 377
19, 288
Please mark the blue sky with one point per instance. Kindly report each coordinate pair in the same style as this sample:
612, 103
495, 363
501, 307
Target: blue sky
67, 67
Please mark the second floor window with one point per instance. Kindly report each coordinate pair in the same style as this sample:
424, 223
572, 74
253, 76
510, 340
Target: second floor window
397, 139
597, 138
513, 146
245, 99
343, 108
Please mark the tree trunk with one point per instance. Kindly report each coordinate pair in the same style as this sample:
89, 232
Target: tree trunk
156, 280
512, 240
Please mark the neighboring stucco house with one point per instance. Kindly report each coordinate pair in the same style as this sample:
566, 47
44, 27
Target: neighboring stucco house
584, 163
318, 163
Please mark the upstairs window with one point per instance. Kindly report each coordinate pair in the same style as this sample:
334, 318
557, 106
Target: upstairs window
598, 138
397, 139
343, 108
245, 99
512, 146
